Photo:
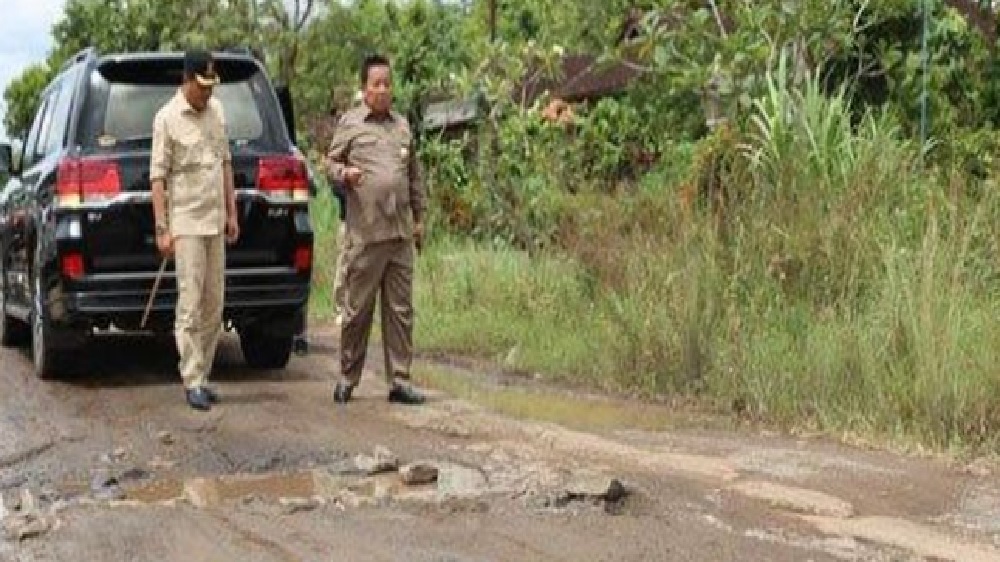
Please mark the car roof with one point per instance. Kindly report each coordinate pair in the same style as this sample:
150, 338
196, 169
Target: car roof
171, 56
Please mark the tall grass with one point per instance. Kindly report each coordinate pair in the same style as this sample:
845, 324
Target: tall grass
834, 286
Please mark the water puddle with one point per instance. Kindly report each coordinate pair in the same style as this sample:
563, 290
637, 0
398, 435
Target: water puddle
575, 411
205, 492
319, 485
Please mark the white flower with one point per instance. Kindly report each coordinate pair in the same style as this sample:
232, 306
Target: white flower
558, 50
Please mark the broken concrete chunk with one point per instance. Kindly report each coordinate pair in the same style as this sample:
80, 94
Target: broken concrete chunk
115, 456
161, 464
202, 492
383, 461
456, 481
290, 506
344, 467
134, 474
104, 486
26, 526
28, 503
418, 473
595, 486
27, 522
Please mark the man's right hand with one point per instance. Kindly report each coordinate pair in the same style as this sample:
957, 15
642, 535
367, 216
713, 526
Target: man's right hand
165, 243
352, 176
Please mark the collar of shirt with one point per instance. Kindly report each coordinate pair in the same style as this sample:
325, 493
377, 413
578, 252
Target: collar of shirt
369, 115
183, 103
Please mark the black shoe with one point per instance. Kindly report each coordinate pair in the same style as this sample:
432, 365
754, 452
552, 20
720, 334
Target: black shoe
342, 393
402, 394
213, 396
197, 398
301, 346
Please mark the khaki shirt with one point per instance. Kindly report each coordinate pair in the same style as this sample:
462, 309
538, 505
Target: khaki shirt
189, 150
389, 197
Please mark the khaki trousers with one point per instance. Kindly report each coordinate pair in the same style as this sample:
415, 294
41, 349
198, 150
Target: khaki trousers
383, 270
200, 263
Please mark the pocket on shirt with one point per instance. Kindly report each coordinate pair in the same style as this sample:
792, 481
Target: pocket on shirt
189, 148
364, 142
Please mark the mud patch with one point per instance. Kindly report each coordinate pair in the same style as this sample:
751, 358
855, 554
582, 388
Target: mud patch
923, 540
799, 500
978, 509
789, 463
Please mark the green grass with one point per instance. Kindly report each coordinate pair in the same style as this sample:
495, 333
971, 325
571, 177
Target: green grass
325, 219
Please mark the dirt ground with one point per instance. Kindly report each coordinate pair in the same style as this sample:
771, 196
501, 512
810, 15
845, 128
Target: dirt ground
110, 464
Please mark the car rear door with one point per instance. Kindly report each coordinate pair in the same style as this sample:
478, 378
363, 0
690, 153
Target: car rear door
108, 181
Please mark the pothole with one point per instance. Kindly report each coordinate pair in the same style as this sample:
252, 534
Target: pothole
419, 481
347, 485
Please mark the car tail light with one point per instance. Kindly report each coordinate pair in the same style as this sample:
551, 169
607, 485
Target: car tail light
72, 265
302, 259
81, 180
283, 177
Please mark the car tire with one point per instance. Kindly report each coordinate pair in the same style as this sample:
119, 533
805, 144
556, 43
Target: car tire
13, 332
265, 351
48, 361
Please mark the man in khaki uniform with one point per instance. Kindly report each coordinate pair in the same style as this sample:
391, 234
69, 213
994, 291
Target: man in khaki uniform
338, 279
194, 204
372, 156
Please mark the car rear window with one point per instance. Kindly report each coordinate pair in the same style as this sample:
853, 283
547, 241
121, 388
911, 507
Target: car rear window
132, 107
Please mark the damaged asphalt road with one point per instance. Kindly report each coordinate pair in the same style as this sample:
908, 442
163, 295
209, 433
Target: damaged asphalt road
112, 465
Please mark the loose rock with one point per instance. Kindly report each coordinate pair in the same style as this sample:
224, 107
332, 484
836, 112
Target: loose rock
595, 486
295, 505
383, 461
419, 473
25, 526
105, 486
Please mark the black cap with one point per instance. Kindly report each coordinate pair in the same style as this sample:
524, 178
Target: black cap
199, 64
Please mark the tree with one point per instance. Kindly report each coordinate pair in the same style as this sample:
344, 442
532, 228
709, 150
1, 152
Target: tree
21, 97
149, 25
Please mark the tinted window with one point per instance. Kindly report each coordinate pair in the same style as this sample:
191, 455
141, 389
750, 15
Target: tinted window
132, 107
28, 157
61, 100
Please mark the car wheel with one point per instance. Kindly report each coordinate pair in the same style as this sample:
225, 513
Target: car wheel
48, 362
265, 351
12, 331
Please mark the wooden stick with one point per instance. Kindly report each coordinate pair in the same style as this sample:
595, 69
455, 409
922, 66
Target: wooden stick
152, 294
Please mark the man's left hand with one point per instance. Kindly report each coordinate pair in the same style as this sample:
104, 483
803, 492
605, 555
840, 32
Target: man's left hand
232, 230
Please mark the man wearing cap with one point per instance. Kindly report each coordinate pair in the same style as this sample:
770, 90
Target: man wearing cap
372, 156
194, 204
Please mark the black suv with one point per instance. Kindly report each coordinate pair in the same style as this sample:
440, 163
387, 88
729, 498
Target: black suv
77, 247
